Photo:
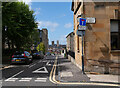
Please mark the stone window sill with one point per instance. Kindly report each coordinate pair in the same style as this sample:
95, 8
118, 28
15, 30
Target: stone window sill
115, 51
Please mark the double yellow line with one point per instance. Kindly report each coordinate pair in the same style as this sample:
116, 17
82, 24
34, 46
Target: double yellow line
53, 80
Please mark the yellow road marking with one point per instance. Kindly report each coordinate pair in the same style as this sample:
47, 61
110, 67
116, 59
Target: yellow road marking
5, 67
53, 80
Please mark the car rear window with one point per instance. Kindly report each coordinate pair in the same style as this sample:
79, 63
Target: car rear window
18, 53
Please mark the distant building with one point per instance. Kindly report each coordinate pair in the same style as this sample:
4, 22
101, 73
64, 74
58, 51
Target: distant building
53, 43
57, 43
70, 46
44, 37
70, 42
54, 48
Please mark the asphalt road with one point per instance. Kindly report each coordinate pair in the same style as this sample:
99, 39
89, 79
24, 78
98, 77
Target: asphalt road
35, 75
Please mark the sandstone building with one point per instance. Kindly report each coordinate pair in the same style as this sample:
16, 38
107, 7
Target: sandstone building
44, 38
102, 39
70, 46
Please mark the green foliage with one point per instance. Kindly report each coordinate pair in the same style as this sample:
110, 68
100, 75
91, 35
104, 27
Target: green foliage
33, 39
41, 47
20, 23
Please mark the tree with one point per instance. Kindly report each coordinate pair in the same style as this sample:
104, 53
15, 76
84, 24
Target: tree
41, 47
20, 23
33, 39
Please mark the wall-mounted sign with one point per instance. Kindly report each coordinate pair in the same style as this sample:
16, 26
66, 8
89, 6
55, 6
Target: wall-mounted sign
90, 20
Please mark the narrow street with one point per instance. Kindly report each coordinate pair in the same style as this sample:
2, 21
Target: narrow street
60, 43
47, 72
34, 74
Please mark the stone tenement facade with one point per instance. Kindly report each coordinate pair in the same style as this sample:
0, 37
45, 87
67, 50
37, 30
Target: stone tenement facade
70, 46
102, 39
70, 41
44, 38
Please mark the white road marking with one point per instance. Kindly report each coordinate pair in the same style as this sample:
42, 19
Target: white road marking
0, 83
14, 79
17, 74
52, 61
11, 79
38, 70
44, 61
41, 80
48, 63
25, 79
18, 66
40, 61
32, 65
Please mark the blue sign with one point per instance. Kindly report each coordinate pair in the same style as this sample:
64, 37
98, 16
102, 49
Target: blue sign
82, 22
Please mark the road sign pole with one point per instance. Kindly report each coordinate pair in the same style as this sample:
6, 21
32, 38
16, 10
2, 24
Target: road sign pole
81, 32
82, 56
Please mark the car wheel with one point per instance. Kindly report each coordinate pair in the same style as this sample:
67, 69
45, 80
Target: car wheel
27, 62
31, 60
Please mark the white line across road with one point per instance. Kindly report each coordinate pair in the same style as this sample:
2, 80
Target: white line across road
41, 80
11, 79
14, 79
25, 79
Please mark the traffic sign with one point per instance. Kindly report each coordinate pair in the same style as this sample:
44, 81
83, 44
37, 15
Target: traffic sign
80, 33
82, 22
82, 28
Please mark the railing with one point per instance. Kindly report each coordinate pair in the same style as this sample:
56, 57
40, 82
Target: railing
71, 53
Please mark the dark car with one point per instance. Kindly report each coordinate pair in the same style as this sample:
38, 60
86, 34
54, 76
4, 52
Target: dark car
21, 57
48, 54
38, 55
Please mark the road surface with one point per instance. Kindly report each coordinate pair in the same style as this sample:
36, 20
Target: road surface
40, 73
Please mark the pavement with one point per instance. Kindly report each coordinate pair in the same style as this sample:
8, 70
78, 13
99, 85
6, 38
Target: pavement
5, 62
69, 72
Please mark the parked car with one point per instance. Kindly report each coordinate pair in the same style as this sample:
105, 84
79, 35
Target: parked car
53, 54
38, 55
48, 54
21, 57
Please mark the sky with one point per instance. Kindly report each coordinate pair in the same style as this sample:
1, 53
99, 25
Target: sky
57, 17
